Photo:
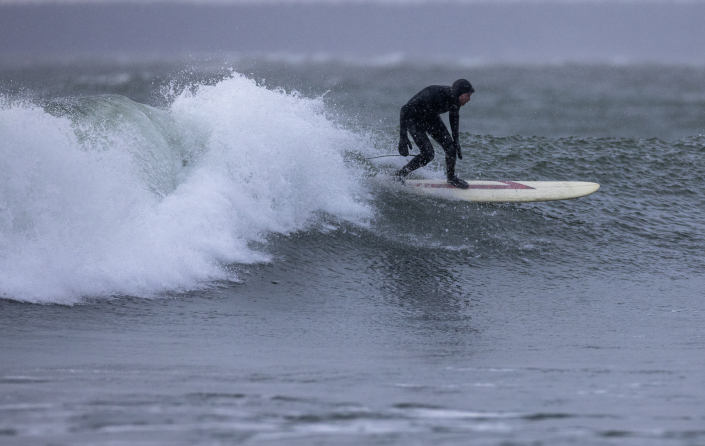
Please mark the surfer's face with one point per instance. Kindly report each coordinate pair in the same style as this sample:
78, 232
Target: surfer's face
464, 98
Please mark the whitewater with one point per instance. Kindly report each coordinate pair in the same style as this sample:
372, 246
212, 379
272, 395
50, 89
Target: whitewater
103, 196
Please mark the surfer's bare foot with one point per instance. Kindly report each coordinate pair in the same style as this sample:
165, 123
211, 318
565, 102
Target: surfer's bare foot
457, 182
398, 177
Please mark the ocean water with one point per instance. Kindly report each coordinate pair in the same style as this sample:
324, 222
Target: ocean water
210, 252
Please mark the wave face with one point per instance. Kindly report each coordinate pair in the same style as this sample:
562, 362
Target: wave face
647, 217
103, 196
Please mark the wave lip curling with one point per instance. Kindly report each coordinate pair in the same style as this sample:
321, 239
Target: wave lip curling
126, 199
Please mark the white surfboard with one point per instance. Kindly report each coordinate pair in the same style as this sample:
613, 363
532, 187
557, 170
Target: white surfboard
503, 191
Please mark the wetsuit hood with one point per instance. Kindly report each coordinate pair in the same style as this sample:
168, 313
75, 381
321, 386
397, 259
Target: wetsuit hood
461, 86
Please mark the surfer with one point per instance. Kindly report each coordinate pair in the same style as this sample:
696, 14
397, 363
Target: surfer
421, 115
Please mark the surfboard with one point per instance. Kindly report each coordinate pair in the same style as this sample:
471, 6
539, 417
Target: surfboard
503, 191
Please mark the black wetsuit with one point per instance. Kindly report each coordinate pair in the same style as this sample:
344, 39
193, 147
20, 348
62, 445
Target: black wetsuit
421, 115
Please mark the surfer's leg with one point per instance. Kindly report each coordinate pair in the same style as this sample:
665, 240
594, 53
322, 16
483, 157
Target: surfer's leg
450, 174
418, 133
439, 132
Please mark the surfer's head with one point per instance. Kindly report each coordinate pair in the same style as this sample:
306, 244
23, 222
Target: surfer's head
462, 86
462, 89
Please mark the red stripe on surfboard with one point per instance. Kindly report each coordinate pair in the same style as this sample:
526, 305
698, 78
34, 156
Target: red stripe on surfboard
506, 185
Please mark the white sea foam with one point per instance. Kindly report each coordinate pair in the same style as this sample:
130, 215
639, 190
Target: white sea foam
126, 199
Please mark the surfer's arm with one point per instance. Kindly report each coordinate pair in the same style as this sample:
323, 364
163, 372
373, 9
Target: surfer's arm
454, 118
403, 129
404, 143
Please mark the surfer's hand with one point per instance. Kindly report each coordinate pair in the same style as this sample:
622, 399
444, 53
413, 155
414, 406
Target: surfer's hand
404, 146
457, 150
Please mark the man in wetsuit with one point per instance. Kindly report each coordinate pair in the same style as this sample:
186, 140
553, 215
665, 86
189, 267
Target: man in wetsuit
421, 115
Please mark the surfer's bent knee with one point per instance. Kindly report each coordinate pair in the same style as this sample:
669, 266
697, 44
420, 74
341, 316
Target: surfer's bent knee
426, 157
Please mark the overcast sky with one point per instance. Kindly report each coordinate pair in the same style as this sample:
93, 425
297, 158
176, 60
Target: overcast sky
484, 32
397, 2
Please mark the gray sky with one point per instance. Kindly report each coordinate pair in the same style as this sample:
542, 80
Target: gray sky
481, 32
396, 2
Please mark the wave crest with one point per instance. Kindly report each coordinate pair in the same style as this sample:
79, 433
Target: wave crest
103, 196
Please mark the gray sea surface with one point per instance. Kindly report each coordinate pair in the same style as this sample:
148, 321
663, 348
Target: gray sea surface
210, 252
